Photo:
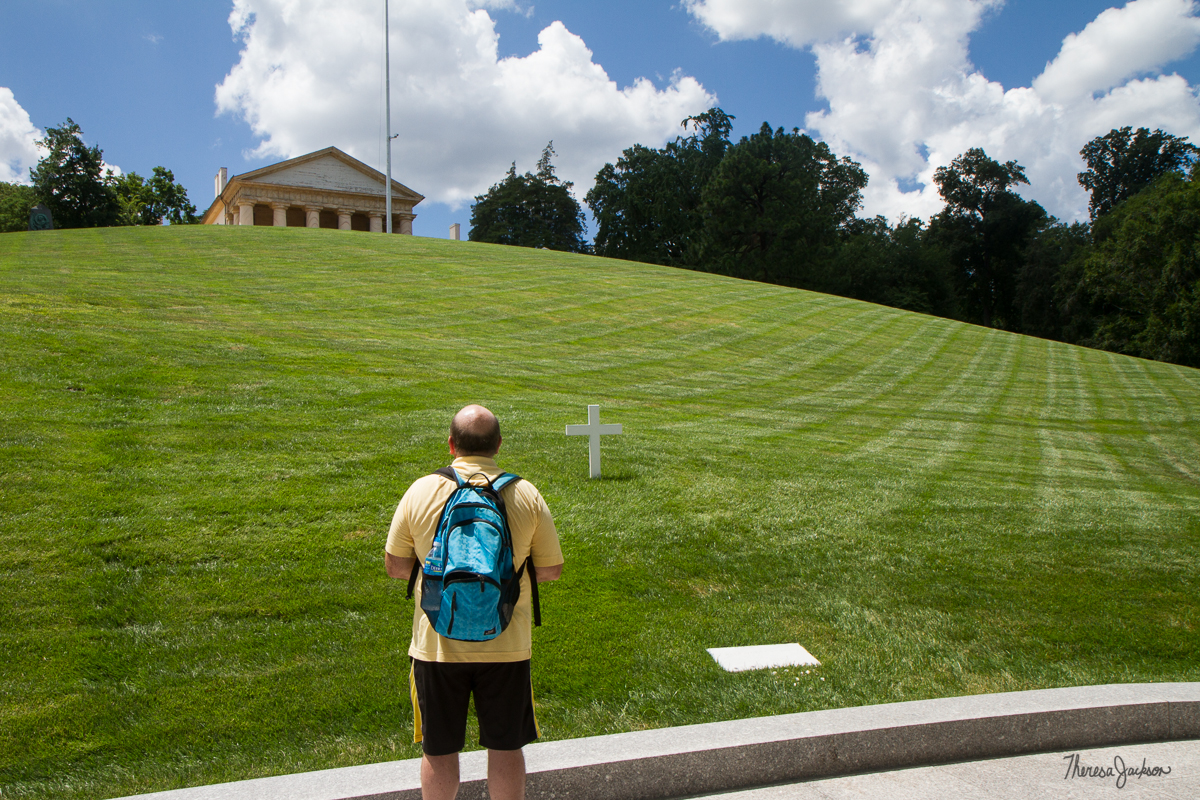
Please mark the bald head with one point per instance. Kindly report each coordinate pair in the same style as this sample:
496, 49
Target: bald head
475, 431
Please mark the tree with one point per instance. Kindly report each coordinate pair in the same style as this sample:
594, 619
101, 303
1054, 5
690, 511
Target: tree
776, 206
1143, 278
898, 267
530, 210
16, 201
647, 206
1047, 302
153, 202
985, 227
1122, 163
135, 197
69, 182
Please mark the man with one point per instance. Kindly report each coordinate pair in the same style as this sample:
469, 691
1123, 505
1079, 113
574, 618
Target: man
445, 671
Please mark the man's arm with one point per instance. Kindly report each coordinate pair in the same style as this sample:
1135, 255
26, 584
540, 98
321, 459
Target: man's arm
547, 574
401, 568
544, 546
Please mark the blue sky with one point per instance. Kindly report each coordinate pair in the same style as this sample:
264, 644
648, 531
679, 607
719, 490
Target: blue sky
140, 78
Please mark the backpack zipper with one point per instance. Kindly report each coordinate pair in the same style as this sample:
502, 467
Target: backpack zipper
462, 577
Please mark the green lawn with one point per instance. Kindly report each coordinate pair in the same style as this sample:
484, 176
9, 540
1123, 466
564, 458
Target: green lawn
205, 433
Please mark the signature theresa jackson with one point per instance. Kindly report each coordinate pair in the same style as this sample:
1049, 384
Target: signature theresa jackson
1118, 771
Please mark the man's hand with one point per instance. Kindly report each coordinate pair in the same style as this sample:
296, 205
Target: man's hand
399, 568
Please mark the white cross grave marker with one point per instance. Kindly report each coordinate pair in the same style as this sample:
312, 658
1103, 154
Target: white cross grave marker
593, 430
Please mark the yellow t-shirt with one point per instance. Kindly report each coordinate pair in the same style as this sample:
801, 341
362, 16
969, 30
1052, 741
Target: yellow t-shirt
413, 528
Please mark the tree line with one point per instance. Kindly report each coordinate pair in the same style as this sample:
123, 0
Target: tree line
781, 208
72, 182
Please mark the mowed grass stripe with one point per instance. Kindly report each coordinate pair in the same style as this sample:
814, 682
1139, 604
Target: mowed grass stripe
1136, 455
764, 357
674, 341
206, 431
942, 430
867, 400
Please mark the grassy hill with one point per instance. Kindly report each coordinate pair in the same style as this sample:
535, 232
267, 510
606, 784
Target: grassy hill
206, 431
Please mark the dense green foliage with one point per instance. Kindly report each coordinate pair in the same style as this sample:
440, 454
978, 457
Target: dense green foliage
1144, 274
154, 201
776, 206
70, 181
530, 210
779, 207
1122, 163
647, 207
771, 207
899, 266
985, 228
206, 430
16, 201
1050, 299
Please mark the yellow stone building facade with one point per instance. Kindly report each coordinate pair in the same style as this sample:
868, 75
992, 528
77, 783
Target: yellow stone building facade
325, 189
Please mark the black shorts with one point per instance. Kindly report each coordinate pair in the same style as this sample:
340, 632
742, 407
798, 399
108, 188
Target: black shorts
503, 705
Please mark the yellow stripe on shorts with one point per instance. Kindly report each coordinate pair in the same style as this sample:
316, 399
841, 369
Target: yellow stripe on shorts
412, 694
536, 728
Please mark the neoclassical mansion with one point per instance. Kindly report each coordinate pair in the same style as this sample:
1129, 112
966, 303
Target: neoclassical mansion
325, 189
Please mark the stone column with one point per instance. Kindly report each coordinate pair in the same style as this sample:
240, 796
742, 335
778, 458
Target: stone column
376, 223
344, 218
245, 213
406, 225
312, 216
279, 214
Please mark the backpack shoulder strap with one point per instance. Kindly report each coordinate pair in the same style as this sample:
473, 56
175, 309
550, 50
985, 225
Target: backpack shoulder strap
412, 579
505, 479
450, 474
534, 601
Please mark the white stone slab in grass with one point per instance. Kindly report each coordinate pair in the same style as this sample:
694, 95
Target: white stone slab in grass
764, 656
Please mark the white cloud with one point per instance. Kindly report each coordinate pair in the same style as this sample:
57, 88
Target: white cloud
795, 22
18, 148
310, 75
1119, 44
905, 99
501, 5
19, 151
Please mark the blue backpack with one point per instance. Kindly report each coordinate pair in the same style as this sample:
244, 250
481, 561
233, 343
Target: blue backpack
469, 588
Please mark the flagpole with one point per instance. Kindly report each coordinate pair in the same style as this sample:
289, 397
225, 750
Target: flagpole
387, 82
